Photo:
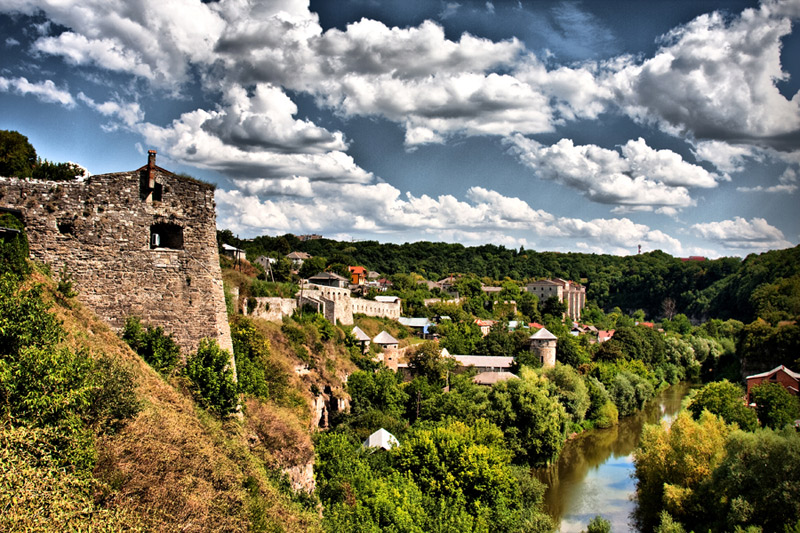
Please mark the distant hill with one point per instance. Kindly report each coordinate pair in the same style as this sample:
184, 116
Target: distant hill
700, 288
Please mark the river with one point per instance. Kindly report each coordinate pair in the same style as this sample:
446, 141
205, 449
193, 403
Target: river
593, 475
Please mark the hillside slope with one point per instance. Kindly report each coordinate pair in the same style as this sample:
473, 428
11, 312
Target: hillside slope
170, 467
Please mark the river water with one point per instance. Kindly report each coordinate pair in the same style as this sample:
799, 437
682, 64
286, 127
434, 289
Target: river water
593, 475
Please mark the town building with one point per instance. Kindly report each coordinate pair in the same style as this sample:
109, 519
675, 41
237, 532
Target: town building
568, 292
543, 343
297, 258
358, 275
781, 375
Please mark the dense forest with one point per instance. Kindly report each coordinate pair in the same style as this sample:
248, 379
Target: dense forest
762, 285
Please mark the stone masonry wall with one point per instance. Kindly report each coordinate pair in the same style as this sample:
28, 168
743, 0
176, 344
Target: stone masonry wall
272, 308
380, 309
100, 230
337, 305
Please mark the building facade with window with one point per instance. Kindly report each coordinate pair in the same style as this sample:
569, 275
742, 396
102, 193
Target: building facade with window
138, 243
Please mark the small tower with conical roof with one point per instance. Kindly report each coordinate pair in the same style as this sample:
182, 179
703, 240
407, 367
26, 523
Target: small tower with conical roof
543, 343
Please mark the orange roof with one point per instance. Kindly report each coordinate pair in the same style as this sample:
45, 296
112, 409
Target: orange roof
358, 270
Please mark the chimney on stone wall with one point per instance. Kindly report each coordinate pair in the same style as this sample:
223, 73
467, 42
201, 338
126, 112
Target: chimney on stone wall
151, 167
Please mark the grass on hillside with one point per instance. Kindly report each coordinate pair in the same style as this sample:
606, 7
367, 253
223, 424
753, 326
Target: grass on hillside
173, 467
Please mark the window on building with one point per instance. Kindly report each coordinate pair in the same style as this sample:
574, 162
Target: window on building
65, 227
166, 235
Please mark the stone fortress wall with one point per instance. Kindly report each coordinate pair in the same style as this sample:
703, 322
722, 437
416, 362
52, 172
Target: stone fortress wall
333, 303
139, 243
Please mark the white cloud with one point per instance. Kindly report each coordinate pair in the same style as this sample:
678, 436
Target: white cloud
130, 113
639, 178
46, 91
618, 233
486, 216
756, 234
151, 39
186, 140
715, 79
265, 121
11, 42
726, 157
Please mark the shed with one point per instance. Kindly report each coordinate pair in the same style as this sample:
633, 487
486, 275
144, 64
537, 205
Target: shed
381, 439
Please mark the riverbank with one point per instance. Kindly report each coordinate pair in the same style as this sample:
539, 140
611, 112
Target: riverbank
593, 473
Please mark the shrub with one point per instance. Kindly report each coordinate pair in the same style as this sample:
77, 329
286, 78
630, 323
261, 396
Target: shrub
14, 251
598, 524
211, 374
774, 405
157, 348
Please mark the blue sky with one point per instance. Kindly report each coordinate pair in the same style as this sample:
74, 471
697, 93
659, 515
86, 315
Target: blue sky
592, 126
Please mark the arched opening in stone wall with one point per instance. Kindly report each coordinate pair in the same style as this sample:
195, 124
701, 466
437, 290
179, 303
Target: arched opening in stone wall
166, 235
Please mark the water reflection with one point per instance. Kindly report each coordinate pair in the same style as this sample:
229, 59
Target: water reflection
593, 473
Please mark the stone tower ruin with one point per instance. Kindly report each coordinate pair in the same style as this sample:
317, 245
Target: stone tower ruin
139, 243
543, 343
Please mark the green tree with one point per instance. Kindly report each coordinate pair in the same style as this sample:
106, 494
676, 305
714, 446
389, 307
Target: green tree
14, 249
570, 352
726, 400
212, 377
376, 391
17, 155
459, 337
554, 307
570, 389
427, 361
775, 407
598, 524
46, 170
453, 459
756, 482
630, 392
532, 421
312, 267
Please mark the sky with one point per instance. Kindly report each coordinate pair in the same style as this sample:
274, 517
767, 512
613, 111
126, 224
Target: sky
586, 126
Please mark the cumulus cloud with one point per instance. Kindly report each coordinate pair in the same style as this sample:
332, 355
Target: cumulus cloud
726, 157
265, 121
639, 177
188, 140
486, 216
46, 91
158, 41
715, 78
756, 234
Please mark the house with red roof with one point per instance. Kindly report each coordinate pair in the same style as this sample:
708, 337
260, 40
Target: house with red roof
604, 335
781, 375
358, 275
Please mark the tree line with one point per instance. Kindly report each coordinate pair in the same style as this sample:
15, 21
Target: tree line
762, 285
